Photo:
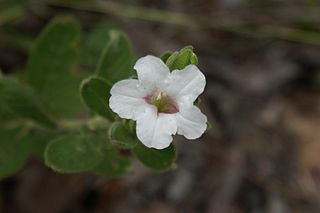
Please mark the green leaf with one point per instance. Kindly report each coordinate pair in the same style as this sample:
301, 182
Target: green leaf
73, 153
94, 43
5, 114
39, 139
115, 162
95, 92
13, 151
116, 62
179, 60
121, 135
50, 63
21, 101
154, 158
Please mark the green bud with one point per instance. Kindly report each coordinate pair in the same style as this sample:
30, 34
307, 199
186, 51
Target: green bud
181, 59
194, 59
170, 61
165, 55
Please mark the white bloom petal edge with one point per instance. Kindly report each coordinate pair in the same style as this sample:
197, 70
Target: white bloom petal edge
127, 99
192, 123
189, 82
151, 71
155, 130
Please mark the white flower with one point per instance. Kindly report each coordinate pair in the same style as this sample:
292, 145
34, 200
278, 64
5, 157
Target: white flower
161, 102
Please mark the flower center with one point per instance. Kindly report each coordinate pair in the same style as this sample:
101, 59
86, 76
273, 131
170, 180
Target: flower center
163, 102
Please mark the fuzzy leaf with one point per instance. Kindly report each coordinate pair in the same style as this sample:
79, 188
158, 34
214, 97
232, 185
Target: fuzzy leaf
115, 162
50, 63
156, 159
121, 135
21, 101
39, 139
94, 43
73, 153
116, 61
13, 151
95, 92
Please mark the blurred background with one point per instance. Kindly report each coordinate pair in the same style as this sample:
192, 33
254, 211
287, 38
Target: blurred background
262, 63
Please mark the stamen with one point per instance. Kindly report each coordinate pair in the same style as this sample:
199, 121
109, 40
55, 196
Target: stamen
159, 96
163, 102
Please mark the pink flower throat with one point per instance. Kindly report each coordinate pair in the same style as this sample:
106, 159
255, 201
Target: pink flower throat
163, 102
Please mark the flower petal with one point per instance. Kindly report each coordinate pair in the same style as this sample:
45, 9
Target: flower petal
191, 122
127, 98
188, 82
151, 71
154, 129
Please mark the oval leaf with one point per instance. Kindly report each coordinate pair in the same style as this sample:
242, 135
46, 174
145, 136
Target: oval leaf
73, 153
94, 43
154, 158
121, 135
39, 139
95, 92
22, 102
116, 61
13, 151
50, 63
115, 162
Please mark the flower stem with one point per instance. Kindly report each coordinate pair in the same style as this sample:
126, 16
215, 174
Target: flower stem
95, 123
